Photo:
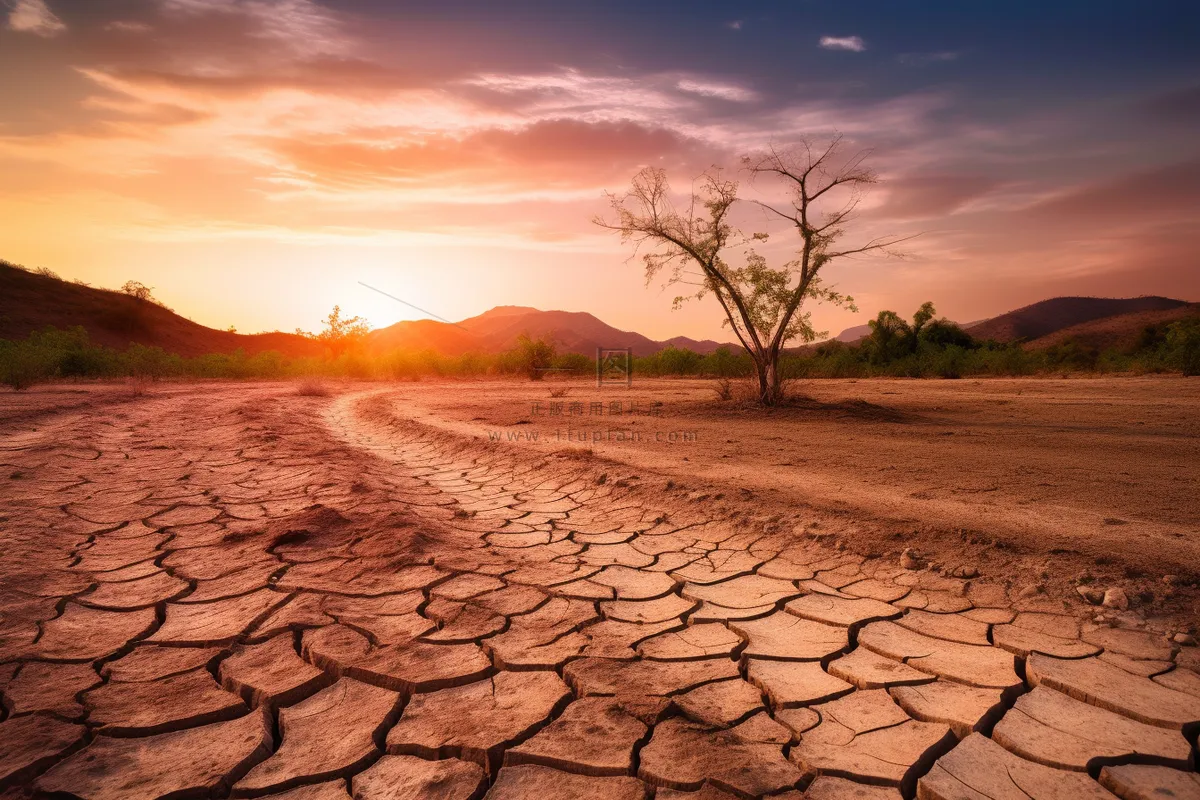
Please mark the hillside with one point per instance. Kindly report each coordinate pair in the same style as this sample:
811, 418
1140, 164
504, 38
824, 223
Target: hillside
704, 346
1120, 332
423, 334
1058, 313
30, 301
853, 334
497, 330
1100, 322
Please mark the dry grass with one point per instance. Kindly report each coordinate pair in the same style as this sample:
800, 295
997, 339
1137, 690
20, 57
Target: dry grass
137, 387
312, 387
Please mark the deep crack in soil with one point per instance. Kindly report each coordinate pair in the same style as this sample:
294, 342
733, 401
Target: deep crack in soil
241, 592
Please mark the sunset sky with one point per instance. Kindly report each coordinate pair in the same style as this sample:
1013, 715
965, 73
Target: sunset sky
253, 160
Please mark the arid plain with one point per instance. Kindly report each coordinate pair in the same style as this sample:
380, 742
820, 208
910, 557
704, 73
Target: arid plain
950, 589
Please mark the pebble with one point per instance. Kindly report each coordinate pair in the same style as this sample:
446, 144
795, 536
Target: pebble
910, 560
1115, 598
1093, 596
1185, 639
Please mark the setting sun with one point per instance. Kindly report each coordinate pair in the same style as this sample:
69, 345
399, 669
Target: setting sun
475, 400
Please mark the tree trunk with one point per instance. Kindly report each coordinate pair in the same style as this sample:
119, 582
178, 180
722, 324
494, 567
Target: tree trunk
769, 391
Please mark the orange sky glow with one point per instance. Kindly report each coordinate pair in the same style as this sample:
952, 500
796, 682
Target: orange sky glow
255, 160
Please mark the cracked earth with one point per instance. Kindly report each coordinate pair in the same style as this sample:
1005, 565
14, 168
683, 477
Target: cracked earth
245, 593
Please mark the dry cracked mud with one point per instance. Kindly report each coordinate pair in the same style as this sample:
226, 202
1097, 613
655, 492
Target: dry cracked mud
214, 592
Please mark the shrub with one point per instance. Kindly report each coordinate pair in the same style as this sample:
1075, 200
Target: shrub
312, 387
535, 356
22, 366
949, 362
152, 362
137, 290
944, 333
1183, 345
574, 364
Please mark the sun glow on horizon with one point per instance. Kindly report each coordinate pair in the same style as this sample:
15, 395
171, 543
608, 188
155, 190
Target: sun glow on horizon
254, 161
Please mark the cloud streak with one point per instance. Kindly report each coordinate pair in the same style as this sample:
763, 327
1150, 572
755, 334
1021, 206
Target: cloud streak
263, 126
854, 44
34, 16
723, 91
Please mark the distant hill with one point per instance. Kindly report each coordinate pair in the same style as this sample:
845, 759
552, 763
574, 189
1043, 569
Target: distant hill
1058, 313
704, 346
1105, 321
1120, 332
30, 301
423, 334
853, 334
497, 330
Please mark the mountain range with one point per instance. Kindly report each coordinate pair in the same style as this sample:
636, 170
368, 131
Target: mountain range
32, 300
1100, 322
497, 330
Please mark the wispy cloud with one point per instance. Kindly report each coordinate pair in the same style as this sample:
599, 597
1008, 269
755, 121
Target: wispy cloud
128, 26
34, 16
303, 25
722, 91
852, 43
296, 122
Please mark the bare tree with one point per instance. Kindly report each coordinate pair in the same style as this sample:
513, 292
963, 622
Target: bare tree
762, 304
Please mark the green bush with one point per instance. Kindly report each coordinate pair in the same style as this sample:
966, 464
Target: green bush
1183, 346
21, 366
535, 356
574, 364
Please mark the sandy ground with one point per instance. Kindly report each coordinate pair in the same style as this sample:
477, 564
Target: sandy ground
1058, 475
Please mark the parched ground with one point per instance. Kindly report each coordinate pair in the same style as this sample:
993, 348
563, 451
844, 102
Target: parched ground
1094, 476
234, 590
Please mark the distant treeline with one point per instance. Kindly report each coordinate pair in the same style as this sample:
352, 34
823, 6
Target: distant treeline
55, 354
927, 348
937, 348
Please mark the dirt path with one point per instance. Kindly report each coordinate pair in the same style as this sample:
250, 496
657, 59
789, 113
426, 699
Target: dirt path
234, 590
